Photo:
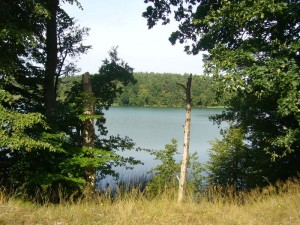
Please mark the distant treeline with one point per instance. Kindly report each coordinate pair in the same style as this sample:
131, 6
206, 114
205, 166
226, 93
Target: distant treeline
162, 90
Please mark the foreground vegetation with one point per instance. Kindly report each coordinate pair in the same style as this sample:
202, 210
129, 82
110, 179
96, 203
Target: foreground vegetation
273, 205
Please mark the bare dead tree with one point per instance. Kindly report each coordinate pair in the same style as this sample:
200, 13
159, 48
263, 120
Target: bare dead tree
88, 130
186, 144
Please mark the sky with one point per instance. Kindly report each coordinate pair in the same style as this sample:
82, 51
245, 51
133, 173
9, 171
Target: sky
120, 23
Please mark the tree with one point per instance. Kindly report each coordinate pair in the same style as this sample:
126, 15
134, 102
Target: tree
186, 142
70, 45
160, 90
88, 130
42, 150
113, 75
102, 153
18, 76
24, 56
164, 174
107, 84
254, 53
228, 160
17, 137
51, 57
63, 39
23, 131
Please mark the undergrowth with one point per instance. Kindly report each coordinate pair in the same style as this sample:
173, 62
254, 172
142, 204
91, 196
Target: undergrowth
275, 204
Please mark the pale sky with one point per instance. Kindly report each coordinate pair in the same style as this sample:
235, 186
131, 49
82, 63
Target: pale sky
120, 23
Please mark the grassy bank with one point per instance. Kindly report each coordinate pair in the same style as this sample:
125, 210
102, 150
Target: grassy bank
269, 206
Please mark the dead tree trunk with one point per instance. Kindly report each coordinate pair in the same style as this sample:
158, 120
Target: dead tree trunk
88, 130
186, 145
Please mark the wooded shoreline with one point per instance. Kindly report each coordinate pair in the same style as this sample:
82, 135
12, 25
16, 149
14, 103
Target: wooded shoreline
161, 90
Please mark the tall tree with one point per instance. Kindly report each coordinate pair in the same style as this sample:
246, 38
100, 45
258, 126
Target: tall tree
63, 39
70, 45
51, 57
254, 52
35, 155
99, 153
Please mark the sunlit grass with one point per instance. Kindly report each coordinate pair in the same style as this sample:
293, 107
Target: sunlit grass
278, 204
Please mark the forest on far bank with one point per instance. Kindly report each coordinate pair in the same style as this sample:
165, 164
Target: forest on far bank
161, 90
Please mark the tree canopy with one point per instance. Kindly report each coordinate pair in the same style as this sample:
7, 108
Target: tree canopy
253, 51
158, 90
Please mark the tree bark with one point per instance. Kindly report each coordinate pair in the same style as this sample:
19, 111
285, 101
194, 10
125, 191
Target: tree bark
88, 130
186, 145
51, 58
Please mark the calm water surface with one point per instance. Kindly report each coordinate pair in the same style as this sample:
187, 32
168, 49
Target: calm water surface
153, 128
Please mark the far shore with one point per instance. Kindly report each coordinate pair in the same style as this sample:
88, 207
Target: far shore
160, 106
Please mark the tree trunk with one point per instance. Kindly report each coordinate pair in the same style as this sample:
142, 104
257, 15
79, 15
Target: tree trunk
51, 58
88, 130
186, 145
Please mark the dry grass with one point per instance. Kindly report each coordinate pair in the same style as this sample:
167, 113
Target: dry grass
270, 206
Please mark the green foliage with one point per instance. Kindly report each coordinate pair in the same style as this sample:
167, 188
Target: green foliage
70, 46
228, 160
264, 72
15, 127
32, 158
165, 175
196, 178
46, 155
113, 76
35, 154
252, 52
159, 90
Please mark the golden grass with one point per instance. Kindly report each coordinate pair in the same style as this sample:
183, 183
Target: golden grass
270, 206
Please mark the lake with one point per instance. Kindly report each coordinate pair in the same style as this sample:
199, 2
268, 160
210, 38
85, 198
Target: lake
153, 128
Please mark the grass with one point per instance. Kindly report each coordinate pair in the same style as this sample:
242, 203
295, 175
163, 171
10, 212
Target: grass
273, 205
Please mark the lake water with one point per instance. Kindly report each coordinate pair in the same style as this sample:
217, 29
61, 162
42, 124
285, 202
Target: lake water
153, 128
